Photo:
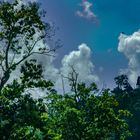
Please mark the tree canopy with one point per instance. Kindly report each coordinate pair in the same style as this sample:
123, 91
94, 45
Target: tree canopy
21, 28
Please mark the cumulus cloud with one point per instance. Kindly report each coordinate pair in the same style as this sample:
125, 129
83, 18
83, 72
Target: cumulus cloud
129, 45
86, 11
80, 61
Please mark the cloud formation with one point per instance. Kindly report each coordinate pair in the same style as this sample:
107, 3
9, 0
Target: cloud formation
86, 12
80, 61
129, 45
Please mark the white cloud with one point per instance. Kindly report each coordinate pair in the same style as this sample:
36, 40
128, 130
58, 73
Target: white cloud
129, 45
80, 60
86, 11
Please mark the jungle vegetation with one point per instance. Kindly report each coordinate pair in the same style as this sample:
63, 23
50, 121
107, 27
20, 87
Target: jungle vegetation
80, 114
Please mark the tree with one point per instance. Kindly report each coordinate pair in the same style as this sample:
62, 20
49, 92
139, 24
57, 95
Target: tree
122, 82
21, 28
84, 115
123, 91
129, 99
87, 116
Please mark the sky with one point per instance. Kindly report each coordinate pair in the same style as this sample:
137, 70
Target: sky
101, 39
98, 24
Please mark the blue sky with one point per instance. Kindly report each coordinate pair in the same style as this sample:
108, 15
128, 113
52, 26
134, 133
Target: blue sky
114, 17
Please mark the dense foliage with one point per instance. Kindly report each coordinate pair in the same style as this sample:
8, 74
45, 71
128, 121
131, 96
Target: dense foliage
73, 116
129, 99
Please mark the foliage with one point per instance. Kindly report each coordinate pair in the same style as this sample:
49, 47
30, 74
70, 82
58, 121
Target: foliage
76, 116
22, 115
84, 116
129, 99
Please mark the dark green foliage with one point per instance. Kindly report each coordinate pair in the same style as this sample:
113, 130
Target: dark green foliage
129, 99
20, 112
122, 83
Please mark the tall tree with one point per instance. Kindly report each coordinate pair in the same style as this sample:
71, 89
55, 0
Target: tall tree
122, 82
21, 28
129, 99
